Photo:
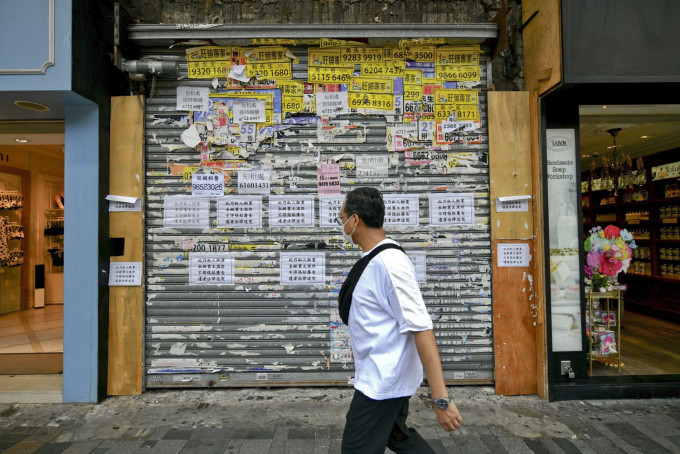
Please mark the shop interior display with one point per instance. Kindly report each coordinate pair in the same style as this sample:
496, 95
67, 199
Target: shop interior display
11, 230
644, 199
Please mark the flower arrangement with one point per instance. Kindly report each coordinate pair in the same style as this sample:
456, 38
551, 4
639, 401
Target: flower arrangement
608, 252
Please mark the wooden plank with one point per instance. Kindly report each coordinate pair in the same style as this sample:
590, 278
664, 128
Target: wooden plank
126, 310
542, 37
538, 255
514, 329
514, 308
510, 162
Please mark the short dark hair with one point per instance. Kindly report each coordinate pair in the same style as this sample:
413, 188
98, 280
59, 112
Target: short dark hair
367, 203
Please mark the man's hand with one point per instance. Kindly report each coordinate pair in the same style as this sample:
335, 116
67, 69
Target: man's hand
450, 418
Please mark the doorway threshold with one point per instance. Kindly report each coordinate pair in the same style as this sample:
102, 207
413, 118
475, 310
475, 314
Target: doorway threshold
31, 389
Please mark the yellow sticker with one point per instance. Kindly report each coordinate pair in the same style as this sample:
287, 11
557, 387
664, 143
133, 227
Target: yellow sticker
469, 113
363, 55
370, 101
456, 112
319, 75
274, 42
413, 77
292, 103
421, 41
382, 69
207, 69
325, 57
208, 53
269, 70
330, 42
291, 87
416, 53
413, 92
457, 73
456, 96
458, 55
188, 172
266, 54
371, 85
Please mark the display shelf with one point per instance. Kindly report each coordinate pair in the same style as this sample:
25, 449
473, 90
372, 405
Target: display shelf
604, 343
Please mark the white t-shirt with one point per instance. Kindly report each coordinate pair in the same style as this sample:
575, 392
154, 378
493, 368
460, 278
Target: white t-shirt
387, 307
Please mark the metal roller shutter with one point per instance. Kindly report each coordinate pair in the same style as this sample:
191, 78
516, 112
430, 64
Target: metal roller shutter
259, 332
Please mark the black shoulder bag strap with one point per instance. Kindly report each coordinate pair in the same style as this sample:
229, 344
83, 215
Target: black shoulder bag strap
347, 289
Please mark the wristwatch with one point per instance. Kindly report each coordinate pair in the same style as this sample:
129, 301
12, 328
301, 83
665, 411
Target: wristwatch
442, 403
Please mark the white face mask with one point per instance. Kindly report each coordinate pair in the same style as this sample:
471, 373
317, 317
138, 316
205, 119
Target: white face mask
346, 237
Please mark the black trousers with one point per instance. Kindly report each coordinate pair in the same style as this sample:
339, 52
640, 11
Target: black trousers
373, 425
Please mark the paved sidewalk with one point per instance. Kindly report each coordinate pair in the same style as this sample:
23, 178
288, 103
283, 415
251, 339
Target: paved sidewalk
310, 420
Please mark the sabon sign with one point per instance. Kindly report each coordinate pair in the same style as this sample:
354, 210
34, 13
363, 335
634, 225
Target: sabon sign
559, 143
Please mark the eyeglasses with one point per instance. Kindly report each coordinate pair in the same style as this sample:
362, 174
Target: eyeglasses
338, 220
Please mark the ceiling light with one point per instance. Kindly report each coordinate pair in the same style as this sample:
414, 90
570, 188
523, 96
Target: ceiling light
30, 105
645, 137
21, 140
604, 107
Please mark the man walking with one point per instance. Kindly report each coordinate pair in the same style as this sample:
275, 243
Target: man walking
391, 335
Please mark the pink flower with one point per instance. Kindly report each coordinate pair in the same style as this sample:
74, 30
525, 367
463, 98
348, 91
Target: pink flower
609, 264
612, 231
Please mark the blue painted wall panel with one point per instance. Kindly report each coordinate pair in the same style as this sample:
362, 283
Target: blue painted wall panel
81, 266
25, 44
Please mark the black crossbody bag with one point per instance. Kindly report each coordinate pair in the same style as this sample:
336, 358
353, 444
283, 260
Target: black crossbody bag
347, 289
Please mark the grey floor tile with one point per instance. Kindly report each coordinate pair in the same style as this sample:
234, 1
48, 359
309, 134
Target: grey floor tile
255, 446
603, 445
124, 447
299, 446
234, 445
177, 434
472, 445
514, 445
302, 434
166, 447
52, 448
82, 447
583, 447
536, 446
260, 434
566, 445
493, 444
635, 438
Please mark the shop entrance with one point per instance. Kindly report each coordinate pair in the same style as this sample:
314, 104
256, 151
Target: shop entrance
31, 253
630, 179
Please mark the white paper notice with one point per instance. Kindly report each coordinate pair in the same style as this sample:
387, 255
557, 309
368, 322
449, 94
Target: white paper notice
238, 72
303, 268
372, 166
207, 184
125, 274
193, 98
211, 268
513, 255
190, 136
334, 103
515, 203
452, 209
419, 260
291, 211
239, 211
401, 209
249, 111
329, 209
254, 181
186, 212
122, 206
